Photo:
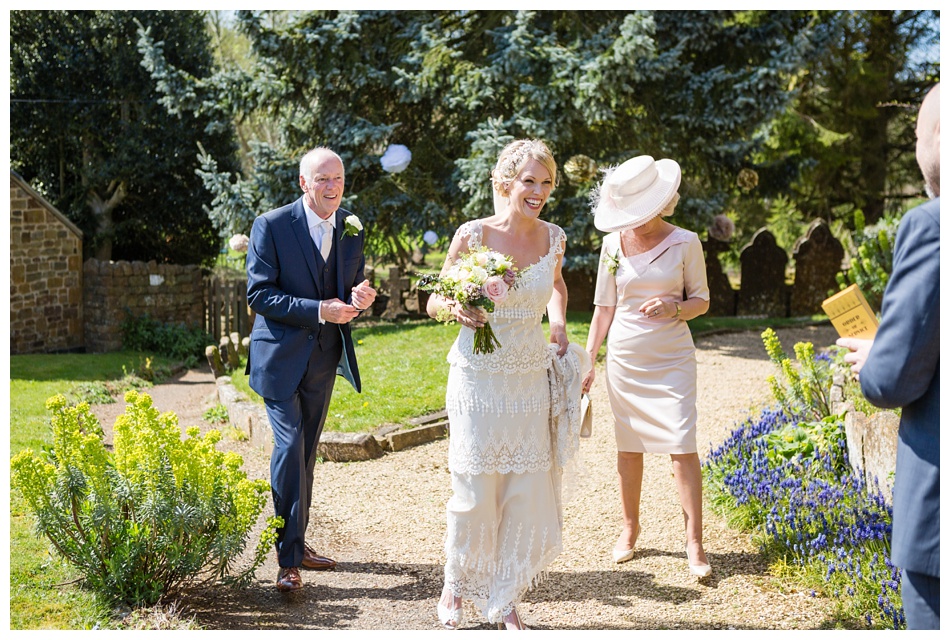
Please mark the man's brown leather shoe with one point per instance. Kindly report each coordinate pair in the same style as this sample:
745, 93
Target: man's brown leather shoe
315, 562
288, 579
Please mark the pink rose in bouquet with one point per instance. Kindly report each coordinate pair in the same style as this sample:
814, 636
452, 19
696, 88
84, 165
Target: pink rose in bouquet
480, 278
496, 289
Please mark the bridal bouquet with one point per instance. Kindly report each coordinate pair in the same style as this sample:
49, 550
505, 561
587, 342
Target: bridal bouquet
480, 278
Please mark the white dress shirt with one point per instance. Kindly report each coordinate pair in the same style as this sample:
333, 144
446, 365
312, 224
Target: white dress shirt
317, 226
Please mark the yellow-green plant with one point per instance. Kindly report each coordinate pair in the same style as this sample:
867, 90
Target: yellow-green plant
154, 517
803, 389
872, 249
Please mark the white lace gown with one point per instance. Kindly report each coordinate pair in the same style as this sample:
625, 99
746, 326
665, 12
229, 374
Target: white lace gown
503, 520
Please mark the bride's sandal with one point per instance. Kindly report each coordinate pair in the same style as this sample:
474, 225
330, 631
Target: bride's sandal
512, 622
451, 619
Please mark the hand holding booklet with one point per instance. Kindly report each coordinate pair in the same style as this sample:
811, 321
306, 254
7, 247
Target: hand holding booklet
851, 314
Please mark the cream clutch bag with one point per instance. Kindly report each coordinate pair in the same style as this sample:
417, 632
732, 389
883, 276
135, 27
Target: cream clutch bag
587, 416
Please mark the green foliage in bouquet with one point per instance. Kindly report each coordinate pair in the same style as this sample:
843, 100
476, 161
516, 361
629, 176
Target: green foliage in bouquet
872, 252
803, 390
154, 517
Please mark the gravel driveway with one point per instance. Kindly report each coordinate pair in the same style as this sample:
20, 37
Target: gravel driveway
384, 522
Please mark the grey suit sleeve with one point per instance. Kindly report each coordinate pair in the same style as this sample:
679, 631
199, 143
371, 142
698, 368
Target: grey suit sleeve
906, 350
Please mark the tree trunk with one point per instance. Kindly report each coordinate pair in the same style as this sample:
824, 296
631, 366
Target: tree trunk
873, 133
102, 210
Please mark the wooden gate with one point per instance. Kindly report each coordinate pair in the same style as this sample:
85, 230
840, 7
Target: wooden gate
226, 307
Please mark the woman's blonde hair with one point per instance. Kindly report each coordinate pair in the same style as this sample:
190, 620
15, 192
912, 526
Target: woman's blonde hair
670, 206
515, 156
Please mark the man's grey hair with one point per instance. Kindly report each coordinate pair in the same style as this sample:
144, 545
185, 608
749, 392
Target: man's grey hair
312, 157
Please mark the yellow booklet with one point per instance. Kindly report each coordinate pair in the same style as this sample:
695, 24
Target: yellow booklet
851, 314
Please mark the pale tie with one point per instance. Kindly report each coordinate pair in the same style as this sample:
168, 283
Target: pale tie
326, 238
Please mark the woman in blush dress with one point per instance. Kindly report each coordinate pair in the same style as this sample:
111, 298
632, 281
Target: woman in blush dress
504, 517
651, 279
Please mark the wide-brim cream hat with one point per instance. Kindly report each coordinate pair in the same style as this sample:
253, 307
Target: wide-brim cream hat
634, 193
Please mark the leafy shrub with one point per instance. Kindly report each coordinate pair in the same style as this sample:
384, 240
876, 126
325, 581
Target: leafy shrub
91, 393
156, 516
872, 252
218, 414
98, 392
143, 376
804, 390
812, 515
808, 439
175, 340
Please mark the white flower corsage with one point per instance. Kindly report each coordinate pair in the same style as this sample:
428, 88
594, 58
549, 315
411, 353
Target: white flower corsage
612, 262
351, 226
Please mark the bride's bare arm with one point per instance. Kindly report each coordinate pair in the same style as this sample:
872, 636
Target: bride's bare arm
557, 307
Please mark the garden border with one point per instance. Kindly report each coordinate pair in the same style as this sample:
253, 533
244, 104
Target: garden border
251, 418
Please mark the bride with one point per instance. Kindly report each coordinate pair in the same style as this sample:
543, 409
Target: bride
504, 517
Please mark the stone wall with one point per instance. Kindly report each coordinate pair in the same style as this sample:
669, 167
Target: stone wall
46, 312
872, 440
115, 290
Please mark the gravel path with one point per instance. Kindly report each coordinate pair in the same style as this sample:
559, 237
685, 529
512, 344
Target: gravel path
384, 522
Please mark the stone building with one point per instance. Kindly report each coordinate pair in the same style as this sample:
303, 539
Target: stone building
46, 306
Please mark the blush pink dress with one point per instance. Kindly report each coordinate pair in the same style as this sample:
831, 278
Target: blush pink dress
651, 363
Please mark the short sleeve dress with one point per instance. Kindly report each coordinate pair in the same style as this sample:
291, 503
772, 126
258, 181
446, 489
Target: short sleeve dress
651, 362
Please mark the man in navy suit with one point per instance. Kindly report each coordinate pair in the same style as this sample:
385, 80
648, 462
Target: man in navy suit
900, 367
305, 282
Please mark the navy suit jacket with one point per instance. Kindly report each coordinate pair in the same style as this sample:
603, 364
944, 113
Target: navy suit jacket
903, 370
284, 288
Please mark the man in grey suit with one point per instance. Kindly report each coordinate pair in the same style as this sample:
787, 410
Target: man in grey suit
900, 367
305, 282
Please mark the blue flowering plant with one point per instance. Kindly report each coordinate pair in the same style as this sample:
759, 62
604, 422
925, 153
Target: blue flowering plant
784, 476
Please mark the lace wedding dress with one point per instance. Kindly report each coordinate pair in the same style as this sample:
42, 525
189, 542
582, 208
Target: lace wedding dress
504, 524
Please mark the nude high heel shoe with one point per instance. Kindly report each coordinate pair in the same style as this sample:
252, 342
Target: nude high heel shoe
698, 570
623, 555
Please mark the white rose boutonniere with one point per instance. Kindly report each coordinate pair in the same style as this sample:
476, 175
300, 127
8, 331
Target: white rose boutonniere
351, 226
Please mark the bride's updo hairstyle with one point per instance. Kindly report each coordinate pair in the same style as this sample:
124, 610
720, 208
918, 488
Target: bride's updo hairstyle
514, 157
